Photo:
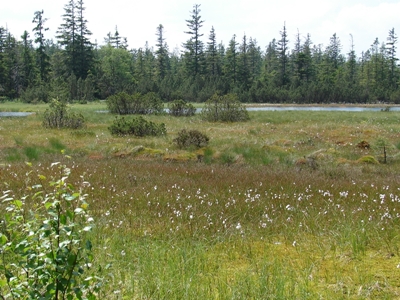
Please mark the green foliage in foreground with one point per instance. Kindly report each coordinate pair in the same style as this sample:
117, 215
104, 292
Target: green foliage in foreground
58, 116
137, 126
124, 104
225, 108
45, 252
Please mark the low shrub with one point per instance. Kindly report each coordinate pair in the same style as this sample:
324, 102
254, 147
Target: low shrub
178, 108
150, 103
59, 116
225, 108
120, 103
137, 127
191, 139
125, 104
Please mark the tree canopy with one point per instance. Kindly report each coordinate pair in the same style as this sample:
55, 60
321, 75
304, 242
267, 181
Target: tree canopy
35, 68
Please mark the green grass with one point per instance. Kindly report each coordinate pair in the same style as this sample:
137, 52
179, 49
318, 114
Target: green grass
253, 219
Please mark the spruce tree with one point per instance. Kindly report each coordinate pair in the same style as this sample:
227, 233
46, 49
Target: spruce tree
3, 65
11, 80
282, 49
297, 61
332, 59
255, 59
67, 38
271, 64
212, 53
231, 62
243, 62
391, 49
333, 52
116, 39
73, 36
194, 46
351, 64
28, 65
307, 69
161, 53
42, 57
84, 51
375, 58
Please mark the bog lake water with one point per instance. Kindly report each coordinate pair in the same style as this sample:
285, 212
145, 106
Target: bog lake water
267, 108
324, 108
8, 114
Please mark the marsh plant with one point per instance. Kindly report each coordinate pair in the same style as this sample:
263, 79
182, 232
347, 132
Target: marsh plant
137, 127
44, 246
180, 108
59, 116
124, 104
226, 108
191, 139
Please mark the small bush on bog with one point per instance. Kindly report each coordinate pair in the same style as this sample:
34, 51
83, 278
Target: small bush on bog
59, 116
225, 108
180, 108
191, 139
125, 104
137, 127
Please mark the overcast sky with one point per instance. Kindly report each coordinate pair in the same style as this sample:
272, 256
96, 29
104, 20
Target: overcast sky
261, 20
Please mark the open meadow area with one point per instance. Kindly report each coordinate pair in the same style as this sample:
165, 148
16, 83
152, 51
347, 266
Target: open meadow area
288, 205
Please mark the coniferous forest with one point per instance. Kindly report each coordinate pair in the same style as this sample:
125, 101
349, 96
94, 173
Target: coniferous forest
36, 68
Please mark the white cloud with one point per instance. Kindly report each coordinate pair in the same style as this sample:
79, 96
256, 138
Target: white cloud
365, 23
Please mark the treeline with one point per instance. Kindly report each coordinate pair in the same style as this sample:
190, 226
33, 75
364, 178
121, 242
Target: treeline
73, 68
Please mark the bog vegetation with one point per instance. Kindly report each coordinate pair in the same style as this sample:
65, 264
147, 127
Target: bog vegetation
59, 116
285, 205
136, 126
191, 138
180, 108
124, 104
225, 108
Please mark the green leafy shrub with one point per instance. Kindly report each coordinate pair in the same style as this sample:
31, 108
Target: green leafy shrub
120, 103
137, 126
180, 108
225, 108
44, 245
59, 116
151, 104
191, 139
125, 104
